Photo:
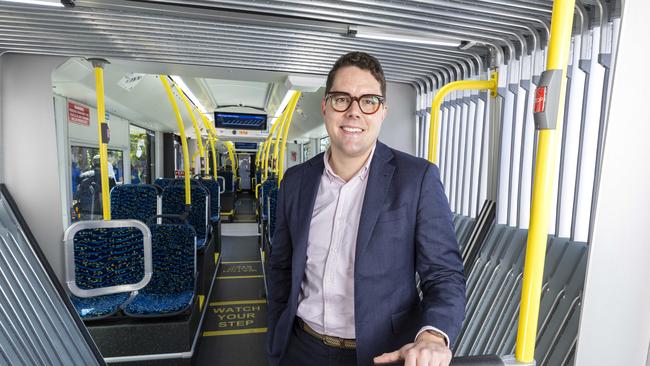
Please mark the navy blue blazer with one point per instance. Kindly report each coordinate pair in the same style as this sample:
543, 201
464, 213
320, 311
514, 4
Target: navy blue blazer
405, 226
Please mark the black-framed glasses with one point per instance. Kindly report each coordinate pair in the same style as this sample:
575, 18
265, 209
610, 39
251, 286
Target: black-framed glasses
341, 102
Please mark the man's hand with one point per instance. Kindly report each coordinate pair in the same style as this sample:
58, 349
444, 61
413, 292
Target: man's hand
428, 350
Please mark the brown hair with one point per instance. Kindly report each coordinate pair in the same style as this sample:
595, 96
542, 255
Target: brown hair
361, 60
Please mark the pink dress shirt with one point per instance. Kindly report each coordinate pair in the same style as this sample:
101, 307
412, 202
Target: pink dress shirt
327, 290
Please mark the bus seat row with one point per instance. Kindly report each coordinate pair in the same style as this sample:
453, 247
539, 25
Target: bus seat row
494, 292
107, 257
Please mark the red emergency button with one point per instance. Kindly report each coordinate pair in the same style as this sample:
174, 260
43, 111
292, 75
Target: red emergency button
540, 99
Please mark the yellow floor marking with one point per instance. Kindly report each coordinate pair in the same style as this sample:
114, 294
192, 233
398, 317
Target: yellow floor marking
201, 300
240, 262
238, 302
216, 257
238, 277
215, 333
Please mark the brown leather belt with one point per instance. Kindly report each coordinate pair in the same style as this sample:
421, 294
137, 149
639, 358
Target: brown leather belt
326, 339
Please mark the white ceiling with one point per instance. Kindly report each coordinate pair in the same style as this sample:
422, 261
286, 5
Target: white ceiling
224, 89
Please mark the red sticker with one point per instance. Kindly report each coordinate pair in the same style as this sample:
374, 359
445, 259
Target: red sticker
540, 99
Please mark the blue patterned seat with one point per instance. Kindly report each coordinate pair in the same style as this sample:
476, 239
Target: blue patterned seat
134, 201
228, 178
267, 186
105, 257
163, 182
172, 286
173, 203
213, 187
99, 306
273, 204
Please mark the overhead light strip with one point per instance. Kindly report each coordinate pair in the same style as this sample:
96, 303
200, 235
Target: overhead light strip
181, 84
283, 105
397, 35
37, 2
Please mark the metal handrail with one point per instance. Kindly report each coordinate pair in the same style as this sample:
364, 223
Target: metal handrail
437, 102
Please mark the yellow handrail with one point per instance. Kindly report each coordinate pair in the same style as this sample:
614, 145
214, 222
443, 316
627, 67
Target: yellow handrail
181, 127
197, 131
103, 145
267, 145
437, 102
276, 141
212, 139
233, 160
558, 56
290, 109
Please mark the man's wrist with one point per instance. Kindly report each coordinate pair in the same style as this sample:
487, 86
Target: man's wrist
433, 335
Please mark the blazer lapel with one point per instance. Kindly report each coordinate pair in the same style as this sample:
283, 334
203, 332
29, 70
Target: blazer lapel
379, 179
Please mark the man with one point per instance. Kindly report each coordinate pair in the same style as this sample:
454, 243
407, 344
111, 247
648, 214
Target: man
353, 226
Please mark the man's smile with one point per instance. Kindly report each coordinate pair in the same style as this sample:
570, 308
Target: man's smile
349, 130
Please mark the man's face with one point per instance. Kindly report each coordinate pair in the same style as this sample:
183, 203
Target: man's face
352, 133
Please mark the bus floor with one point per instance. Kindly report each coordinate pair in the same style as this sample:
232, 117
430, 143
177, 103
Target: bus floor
234, 330
245, 208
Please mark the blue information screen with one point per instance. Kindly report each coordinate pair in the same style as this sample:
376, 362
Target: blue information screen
240, 121
246, 145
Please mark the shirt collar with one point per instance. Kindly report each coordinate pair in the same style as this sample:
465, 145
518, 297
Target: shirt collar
362, 173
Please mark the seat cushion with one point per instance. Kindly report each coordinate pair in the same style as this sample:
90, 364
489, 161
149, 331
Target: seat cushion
159, 304
98, 306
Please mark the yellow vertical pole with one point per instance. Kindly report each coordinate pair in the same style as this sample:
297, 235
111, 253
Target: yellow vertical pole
181, 127
290, 109
268, 143
211, 138
558, 56
197, 130
103, 133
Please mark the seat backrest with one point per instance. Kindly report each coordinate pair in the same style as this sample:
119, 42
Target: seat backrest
273, 203
134, 201
228, 177
173, 203
174, 259
213, 188
104, 257
163, 182
267, 186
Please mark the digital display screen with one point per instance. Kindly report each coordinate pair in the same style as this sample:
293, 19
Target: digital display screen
246, 145
240, 121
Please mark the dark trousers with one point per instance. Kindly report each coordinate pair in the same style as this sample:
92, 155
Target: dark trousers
304, 349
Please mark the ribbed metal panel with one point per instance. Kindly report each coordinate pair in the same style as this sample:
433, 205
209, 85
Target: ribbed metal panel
289, 36
36, 328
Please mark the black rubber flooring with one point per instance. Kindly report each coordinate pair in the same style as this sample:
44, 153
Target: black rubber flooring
234, 330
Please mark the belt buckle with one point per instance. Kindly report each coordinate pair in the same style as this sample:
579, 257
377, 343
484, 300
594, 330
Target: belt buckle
333, 342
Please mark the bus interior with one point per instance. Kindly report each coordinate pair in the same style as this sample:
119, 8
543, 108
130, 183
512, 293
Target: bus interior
143, 143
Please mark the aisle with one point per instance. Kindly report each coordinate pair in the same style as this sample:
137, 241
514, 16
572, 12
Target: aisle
234, 331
